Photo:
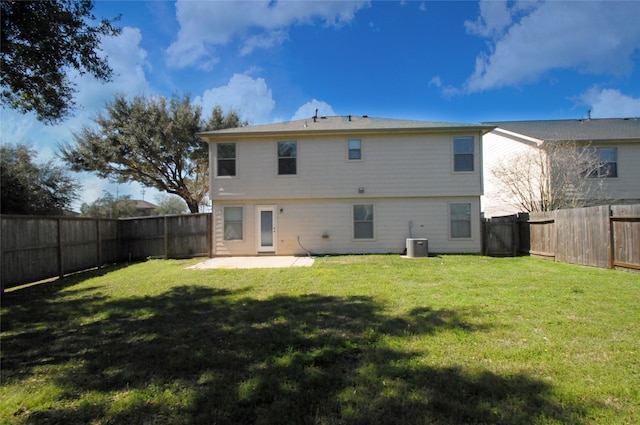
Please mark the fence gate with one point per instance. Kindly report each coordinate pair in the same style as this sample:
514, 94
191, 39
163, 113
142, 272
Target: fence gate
500, 236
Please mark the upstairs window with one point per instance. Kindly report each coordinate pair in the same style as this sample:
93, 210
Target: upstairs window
463, 153
287, 158
601, 162
226, 153
354, 147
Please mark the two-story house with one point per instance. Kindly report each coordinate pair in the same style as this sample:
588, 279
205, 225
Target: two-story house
337, 185
614, 143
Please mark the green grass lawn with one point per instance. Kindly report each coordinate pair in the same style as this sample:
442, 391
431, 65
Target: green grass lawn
351, 340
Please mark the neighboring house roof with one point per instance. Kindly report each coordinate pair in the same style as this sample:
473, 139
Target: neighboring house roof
144, 205
344, 124
578, 130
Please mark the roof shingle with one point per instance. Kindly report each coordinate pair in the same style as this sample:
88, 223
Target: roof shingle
579, 130
346, 123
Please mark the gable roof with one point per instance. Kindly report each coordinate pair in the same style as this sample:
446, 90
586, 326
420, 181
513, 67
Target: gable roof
579, 130
144, 205
343, 124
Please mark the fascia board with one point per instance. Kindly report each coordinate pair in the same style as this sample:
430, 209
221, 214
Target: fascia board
213, 137
532, 141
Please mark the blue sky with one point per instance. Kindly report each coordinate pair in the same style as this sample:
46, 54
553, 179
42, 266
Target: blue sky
438, 61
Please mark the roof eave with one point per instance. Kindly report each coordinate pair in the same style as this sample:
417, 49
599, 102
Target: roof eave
211, 136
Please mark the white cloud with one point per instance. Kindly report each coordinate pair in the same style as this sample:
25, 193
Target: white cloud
436, 81
128, 61
494, 17
308, 110
94, 187
127, 58
610, 103
205, 25
263, 41
252, 98
593, 37
15, 127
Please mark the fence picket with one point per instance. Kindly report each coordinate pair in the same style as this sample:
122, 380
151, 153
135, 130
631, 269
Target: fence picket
602, 236
37, 248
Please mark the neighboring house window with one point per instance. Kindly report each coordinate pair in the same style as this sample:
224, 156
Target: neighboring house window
226, 159
603, 162
287, 158
363, 221
232, 223
460, 220
463, 153
355, 149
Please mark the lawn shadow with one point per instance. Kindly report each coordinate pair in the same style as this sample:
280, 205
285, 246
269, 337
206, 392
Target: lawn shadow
198, 355
425, 320
48, 287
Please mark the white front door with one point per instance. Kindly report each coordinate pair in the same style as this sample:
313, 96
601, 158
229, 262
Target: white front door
266, 227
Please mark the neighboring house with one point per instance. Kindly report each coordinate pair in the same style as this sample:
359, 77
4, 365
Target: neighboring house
144, 208
615, 142
337, 185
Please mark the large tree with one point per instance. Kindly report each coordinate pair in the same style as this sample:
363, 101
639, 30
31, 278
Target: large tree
109, 206
41, 41
170, 205
34, 188
150, 140
552, 176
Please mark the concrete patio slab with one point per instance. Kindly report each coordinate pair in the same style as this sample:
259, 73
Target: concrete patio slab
266, 262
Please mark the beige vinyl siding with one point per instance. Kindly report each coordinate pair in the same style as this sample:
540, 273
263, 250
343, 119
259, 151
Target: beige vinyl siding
625, 187
392, 166
302, 223
498, 148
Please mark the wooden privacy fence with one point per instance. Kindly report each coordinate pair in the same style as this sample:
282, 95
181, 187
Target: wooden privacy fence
506, 236
36, 248
178, 236
604, 236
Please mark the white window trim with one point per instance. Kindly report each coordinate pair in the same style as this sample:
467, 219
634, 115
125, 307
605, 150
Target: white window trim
599, 176
243, 224
215, 161
449, 223
361, 150
286, 176
274, 209
453, 154
353, 230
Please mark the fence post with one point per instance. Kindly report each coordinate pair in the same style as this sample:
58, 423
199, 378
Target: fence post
99, 237
484, 235
2, 276
60, 249
210, 233
556, 230
166, 238
515, 237
612, 246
